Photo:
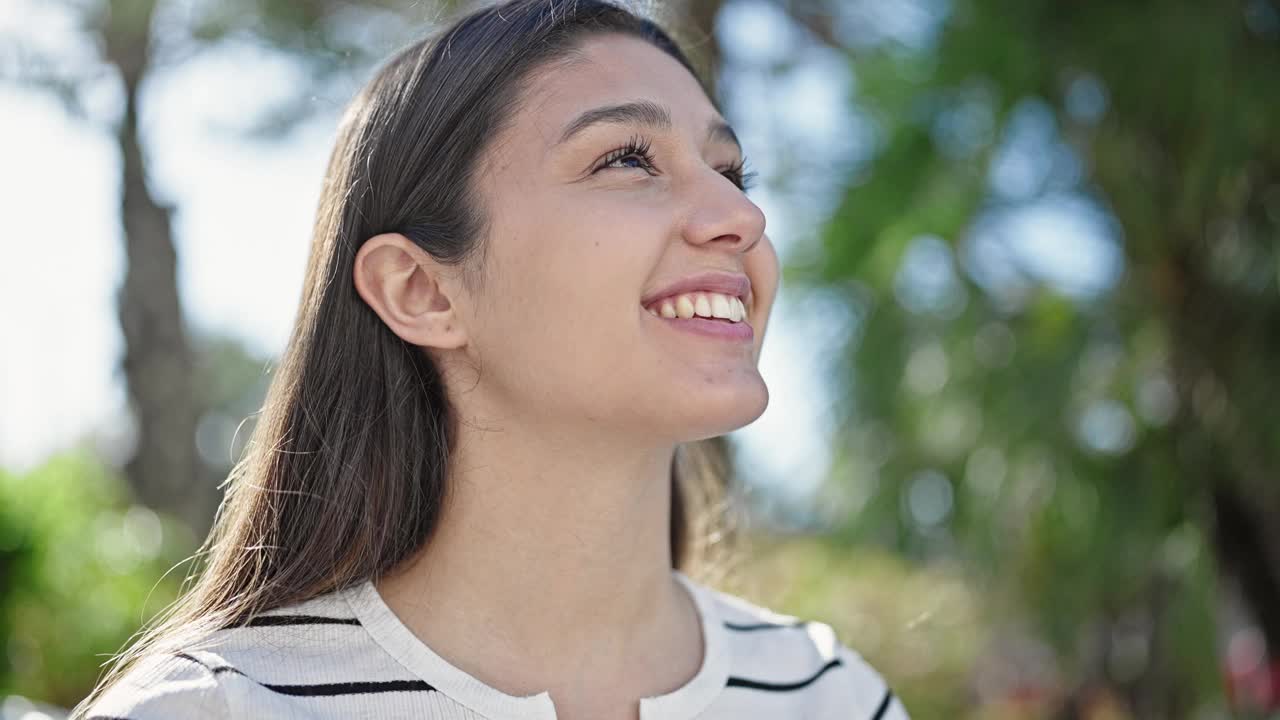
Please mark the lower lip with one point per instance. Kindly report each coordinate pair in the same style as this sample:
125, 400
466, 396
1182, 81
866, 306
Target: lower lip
740, 331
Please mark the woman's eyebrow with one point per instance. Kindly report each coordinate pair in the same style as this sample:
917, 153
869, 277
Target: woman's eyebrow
641, 112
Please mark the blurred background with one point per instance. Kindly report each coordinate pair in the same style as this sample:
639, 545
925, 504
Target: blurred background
1022, 449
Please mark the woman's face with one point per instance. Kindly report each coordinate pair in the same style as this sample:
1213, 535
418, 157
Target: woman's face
583, 233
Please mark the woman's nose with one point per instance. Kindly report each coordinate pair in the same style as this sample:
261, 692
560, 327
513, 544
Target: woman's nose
722, 213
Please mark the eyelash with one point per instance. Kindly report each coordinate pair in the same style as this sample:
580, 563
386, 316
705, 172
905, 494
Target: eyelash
737, 173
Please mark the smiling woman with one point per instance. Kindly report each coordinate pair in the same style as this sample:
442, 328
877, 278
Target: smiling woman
536, 285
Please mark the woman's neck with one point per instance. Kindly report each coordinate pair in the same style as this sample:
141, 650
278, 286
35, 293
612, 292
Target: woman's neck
551, 567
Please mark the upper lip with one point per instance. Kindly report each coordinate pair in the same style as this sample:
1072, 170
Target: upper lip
738, 286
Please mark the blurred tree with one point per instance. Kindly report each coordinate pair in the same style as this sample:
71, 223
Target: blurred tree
128, 40
80, 569
157, 359
696, 33
231, 383
924, 629
1060, 270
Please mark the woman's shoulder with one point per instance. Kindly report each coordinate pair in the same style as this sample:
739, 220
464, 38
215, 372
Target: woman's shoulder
227, 669
775, 651
164, 685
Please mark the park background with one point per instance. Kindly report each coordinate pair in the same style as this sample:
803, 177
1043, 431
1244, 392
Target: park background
1021, 450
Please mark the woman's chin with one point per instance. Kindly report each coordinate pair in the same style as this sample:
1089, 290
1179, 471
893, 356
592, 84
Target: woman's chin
708, 414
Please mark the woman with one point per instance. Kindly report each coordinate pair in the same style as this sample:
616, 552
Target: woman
536, 284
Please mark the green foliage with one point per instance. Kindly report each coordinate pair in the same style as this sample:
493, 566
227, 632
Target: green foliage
922, 629
78, 574
1070, 446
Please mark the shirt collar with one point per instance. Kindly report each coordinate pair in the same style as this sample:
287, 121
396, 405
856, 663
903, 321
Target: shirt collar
683, 703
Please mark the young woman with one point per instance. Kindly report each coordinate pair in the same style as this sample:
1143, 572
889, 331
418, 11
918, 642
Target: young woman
536, 287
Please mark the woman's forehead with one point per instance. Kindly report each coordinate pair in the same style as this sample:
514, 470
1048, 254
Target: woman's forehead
612, 71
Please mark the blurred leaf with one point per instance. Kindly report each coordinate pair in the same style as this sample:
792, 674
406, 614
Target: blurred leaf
78, 574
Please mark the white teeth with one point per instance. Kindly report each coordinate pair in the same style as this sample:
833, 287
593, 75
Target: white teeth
707, 305
701, 305
720, 307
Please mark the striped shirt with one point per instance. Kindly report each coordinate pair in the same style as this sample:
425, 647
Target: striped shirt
345, 654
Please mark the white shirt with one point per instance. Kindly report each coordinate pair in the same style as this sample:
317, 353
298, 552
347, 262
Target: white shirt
345, 654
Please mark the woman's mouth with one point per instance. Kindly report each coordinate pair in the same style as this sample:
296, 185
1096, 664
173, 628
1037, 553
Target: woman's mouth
705, 313
709, 305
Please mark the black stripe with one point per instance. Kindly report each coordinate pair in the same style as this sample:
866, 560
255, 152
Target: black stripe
766, 626
351, 688
884, 704
196, 660
278, 620
324, 689
105, 717
214, 670
781, 687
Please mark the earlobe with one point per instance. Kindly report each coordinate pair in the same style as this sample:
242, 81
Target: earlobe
409, 291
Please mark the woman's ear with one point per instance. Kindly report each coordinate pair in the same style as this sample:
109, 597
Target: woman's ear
412, 293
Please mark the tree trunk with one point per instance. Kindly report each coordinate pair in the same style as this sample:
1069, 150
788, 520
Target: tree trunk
1220, 440
157, 363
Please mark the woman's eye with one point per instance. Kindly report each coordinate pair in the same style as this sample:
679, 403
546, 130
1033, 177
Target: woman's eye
740, 176
635, 154
633, 157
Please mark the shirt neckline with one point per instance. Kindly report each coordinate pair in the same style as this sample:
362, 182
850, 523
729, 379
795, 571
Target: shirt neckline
683, 703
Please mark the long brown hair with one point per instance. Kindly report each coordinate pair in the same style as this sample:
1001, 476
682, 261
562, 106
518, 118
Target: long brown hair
345, 474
